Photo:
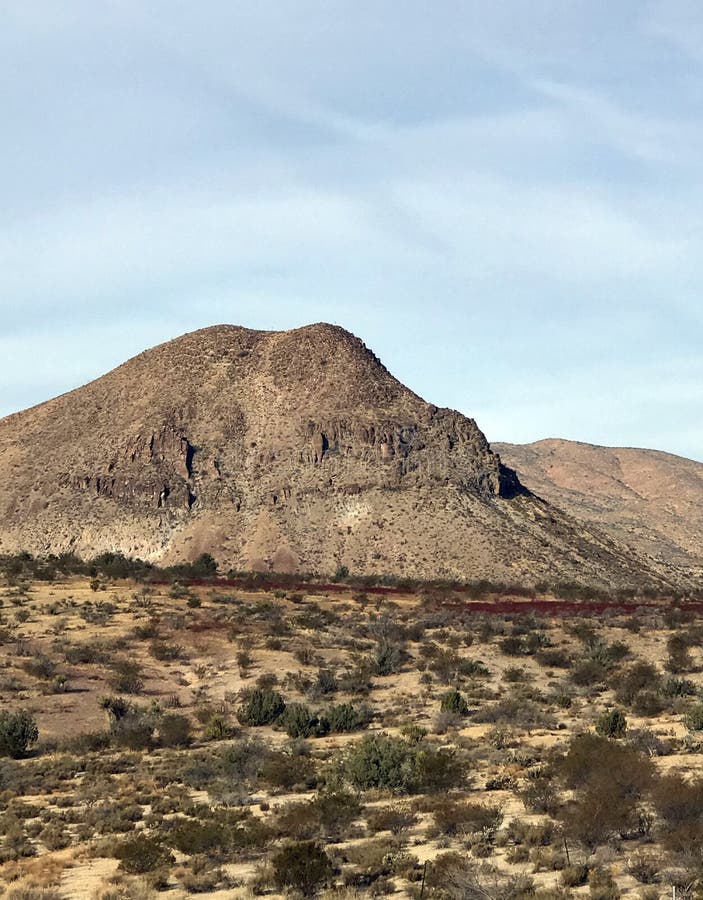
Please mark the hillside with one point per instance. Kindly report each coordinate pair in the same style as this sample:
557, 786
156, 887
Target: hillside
292, 450
651, 500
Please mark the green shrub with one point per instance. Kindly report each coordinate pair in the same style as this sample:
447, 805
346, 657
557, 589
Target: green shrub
345, 717
383, 761
454, 702
612, 723
261, 707
17, 731
388, 657
299, 721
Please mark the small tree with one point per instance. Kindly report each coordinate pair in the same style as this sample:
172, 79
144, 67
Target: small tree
303, 866
17, 731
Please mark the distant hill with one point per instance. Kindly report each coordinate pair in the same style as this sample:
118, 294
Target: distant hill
651, 500
291, 451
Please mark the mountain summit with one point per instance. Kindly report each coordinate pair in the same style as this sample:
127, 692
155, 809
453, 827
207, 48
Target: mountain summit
286, 450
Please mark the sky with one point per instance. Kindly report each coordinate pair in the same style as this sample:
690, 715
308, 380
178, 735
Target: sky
503, 200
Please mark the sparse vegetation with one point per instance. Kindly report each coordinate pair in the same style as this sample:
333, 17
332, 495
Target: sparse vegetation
312, 764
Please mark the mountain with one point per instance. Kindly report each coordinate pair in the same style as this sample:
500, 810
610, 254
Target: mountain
292, 451
650, 500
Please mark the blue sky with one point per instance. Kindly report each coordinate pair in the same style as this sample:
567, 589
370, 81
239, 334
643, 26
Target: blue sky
504, 200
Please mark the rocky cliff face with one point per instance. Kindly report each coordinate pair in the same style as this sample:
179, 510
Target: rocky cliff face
279, 450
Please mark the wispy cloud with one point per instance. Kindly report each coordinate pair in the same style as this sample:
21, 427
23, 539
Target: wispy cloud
503, 199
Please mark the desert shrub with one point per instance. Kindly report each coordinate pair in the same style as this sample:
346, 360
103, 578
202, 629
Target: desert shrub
140, 854
601, 884
83, 654
553, 658
574, 875
217, 728
517, 710
345, 717
644, 867
380, 761
677, 800
242, 759
451, 668
540, 795
396, 819
303, 866
55, 836
327, 815
438, 769
678, 687
514, 674
679, 658
609, 780
453, 876
466, 818
288, 771
40, 667
513, 645
191, 836
648, 704
591, 757
126, 677
592, 817
454, 702
391, 763
166, 651
641, 676
612, 723
261, 707
388, 657
17, 731
539, 834
133, 730
299, 721
588, 672
686, 841
645, 741
325, 683
174, 731
694, 717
